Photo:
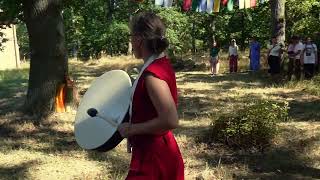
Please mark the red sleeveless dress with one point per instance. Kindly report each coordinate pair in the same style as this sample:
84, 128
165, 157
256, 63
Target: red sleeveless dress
154, 157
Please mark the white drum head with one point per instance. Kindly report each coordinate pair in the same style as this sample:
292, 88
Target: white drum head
110, 94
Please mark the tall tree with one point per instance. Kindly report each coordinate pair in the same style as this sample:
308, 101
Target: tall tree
278, 19
48, 65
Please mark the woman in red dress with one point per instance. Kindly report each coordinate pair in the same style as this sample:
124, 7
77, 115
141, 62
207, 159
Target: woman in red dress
155, 153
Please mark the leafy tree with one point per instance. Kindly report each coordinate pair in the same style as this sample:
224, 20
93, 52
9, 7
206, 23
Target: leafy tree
23, 39
302, 17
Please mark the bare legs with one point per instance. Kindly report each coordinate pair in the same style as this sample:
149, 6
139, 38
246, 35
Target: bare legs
214, 67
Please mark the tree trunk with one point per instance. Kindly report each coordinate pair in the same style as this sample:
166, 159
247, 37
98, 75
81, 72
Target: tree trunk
110, 6
48, 63
278, 19
193, 40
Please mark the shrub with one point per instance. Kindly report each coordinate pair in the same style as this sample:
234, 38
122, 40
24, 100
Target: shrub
253, 126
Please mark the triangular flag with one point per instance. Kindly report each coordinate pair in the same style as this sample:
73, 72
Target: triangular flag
224, 2
230, 5
241, 4
203, 6
247, 3
195, 5
167, 3
253, 3
209, 6
159, 2
186, 5
216, 6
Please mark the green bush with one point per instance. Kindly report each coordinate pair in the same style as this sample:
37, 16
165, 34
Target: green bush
253, 126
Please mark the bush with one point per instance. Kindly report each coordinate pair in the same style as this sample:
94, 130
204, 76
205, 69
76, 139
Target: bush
253, 126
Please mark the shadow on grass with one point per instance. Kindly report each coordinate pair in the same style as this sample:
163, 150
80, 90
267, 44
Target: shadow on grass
285, 161
303, 106
305, 110
49, 140
193, 105
117, 163
79, 71
16, 171
13, 86
242, 79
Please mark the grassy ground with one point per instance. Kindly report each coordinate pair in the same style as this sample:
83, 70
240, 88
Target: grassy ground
49, 151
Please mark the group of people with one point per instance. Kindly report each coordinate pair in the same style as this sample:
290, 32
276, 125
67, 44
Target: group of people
303, 57
233, 56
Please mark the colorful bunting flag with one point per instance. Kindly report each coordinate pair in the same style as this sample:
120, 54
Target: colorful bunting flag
159, 2
186, 5
253, 3
230, 5
216, 5
210, 6
224, 2
164, 3
247, 3
241, 4
195, 5
203, 6
167, 3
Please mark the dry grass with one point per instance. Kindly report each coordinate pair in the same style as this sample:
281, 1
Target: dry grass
49, 151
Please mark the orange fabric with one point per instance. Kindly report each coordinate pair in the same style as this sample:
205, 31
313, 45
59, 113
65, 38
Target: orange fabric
60, 98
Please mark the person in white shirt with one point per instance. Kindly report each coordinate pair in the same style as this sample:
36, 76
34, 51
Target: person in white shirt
297, 50
309, 56
274, 56
233, 56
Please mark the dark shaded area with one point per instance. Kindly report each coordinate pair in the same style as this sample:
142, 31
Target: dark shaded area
16, 171
52, 142
305, 110
78, 71
196, 106
13, 88
302, 106
243, 79
282, 162
117, 163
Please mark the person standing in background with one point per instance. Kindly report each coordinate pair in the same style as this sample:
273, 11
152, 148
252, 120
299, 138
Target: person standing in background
233, 56
297, 56
214, 59
291, 56
254, 55
274, 57
309, 57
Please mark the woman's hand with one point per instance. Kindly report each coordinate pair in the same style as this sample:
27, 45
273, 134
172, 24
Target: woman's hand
124, 129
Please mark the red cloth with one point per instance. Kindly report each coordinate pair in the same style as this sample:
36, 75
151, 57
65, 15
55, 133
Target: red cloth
154, 156
224, 2
233, 63
187, 5
253, 3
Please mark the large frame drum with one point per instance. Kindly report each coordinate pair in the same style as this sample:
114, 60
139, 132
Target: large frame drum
110, 96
